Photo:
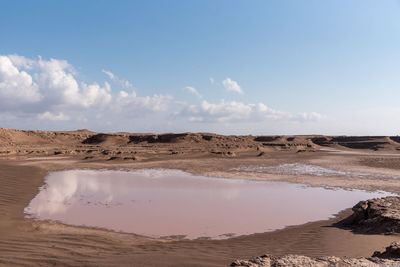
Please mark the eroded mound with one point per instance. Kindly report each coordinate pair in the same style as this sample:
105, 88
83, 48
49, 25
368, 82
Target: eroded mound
377, 216
91, 145
355, 142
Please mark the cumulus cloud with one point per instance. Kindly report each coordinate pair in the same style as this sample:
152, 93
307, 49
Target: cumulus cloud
53, 117
231, 85
15, 84
193, 91
56, 79
212, 81
20, 61
45, 84
233, 111
95, 95
125, 101
49, 90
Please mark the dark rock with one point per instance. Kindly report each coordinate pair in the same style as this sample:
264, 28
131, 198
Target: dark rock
207, 137
364, 145
392, 251
321, 141
266, 138
129, 158
355, 138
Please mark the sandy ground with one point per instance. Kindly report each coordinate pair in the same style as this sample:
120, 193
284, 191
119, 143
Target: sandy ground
27, 242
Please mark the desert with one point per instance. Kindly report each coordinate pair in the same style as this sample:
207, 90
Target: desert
367, 163
199, 133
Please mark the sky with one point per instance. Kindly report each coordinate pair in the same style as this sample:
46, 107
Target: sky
225, 66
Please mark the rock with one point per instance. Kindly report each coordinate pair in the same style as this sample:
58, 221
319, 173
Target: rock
376, 216
129, 158
266, 138
297, 260
392, 251
224, 153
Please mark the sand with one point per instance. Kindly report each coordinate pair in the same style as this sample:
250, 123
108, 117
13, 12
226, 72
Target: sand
31, 155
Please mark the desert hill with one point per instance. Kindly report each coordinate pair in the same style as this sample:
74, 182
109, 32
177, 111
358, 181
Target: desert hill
135, 146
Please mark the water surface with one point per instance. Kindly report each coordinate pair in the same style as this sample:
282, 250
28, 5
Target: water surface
173, 203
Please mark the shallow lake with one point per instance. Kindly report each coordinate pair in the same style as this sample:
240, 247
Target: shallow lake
176, 204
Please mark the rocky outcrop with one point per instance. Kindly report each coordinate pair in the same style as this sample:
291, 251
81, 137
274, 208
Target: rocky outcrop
72, 143
107, 139
391, 252
266, 138
376, 216
296, 260
12, 137
355, 142
364, 145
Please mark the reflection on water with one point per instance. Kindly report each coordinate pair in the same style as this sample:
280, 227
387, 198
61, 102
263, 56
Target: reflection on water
308, 169
159, 203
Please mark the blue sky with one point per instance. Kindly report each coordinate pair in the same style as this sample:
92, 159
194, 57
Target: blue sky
232, 67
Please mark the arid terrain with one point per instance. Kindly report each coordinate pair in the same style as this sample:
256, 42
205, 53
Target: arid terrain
368, 163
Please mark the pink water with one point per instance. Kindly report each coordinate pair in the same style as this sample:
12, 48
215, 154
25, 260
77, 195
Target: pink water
173, 203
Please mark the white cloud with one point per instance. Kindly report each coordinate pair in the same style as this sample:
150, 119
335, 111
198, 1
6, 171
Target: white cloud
49, 84
231, 85
311, 116
130, 101
20, 61
56, 79
193, 91
233, 111
53, 117
16, 85
124, 83
94, 94
49, 90
33, 91
212, 81
109, 74
219, 112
